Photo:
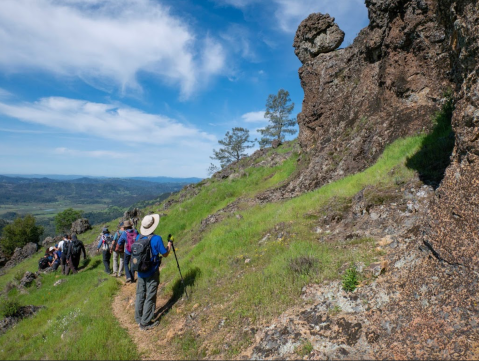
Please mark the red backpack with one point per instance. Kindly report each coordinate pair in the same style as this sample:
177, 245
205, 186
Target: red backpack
130, 239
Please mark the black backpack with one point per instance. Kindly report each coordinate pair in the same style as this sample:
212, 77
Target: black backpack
76, 246
43, 263
141, 254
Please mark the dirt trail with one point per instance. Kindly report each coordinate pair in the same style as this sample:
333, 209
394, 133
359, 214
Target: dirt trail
154, 344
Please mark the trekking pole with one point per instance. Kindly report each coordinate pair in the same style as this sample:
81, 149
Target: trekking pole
170, 239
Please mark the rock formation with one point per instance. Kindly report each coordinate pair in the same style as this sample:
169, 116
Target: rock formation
386, 85
317, 34
22, 253
80, 226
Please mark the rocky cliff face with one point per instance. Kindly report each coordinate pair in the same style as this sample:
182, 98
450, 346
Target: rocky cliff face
436, 313
386, 85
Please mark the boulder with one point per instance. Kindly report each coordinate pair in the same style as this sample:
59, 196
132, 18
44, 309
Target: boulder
22, 253
317, 34
80, 226
47, 241
27, 279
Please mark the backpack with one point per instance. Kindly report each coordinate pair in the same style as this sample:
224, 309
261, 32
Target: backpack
107, 241
76, 246
43, 263
130, 239
118, 248
66, 246
141, 254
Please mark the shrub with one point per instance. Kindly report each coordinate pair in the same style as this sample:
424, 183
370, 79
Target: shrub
350, 280
64, 220
19, 233
9, 308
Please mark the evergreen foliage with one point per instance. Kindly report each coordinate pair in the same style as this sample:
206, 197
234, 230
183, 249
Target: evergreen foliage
20, 232
64, 220
235, 144
278, 110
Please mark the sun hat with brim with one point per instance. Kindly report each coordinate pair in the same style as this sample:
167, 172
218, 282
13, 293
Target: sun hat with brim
51, 248
149, 224
105, 230
127, 224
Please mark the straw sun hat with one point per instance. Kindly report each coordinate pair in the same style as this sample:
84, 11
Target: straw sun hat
149, 224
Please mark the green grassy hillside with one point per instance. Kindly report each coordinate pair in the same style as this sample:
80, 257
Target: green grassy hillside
235, 274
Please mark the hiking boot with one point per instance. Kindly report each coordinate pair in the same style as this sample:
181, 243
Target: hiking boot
128, 280
113, 274
150, 326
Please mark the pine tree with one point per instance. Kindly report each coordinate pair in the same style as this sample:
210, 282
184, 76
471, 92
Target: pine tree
278, 111
235, 143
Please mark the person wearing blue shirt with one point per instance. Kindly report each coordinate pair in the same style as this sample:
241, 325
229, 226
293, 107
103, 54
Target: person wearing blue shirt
149, 281
128, 228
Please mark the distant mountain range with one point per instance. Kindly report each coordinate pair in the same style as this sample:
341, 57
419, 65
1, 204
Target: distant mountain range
121, 192
64, 177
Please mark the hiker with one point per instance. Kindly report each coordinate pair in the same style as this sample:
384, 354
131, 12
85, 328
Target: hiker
147, 252
127, 238
118, 252
63, 245
55, 263
63, 259
74, 253
47, 259
105, 244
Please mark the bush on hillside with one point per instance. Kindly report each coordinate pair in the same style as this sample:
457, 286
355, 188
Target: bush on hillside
20, 232
64, 220
9, 308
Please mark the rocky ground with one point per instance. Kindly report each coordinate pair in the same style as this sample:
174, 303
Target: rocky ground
338, 324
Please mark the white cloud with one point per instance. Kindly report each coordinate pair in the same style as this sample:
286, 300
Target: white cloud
254, 117
110, 121
105, 41
351, 15
91, 153
5, 94
239, 39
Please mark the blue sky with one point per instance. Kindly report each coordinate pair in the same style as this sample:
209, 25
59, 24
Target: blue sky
144, 87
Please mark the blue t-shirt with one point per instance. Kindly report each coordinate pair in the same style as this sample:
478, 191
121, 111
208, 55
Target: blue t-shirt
157, 248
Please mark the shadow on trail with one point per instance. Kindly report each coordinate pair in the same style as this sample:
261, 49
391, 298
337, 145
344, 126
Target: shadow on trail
178, 292
433, 158
85, 263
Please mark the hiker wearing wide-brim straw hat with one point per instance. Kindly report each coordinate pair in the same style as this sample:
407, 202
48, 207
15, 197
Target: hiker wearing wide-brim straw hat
149, 224
147, 252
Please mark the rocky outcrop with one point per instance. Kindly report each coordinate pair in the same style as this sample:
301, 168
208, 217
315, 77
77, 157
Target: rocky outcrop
22, 312
435, 314
317, 34
22, 253
386, 85
80, 226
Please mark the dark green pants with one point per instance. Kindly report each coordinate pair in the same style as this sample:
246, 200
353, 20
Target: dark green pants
145, 304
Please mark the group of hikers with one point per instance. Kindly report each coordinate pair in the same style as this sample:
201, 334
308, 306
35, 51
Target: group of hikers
140, 253
66, 253
137, 252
